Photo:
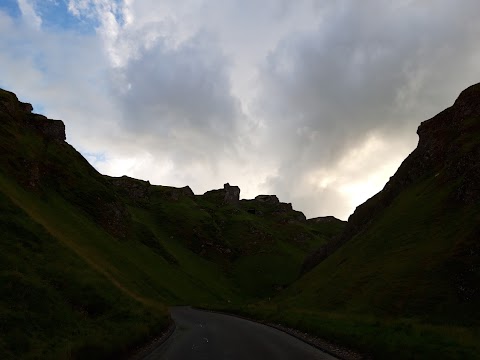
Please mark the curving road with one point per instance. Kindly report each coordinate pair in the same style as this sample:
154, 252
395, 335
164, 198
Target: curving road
205, 335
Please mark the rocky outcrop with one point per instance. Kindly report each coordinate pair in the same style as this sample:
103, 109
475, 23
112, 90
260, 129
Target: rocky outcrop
269, 199
228, 195
21, 113
9, 106
446, 149
173, 193
270, 206
232, 193
135, 190
53, 130
25, 107
324, 220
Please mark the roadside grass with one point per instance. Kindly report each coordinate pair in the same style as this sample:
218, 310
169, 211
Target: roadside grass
380, 338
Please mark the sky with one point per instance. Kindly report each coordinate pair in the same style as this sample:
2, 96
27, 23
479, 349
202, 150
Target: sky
316, 101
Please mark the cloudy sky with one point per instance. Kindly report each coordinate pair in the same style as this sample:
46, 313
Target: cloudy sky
316, 101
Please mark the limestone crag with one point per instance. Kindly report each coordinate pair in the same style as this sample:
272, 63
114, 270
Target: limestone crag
228, 195
26, 107
173, 193
21, 113
270, 206
136, 190
232, 193
323, 220
269, 199
50, 129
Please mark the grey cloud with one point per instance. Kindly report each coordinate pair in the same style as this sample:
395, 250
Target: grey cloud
180, 99
371, 68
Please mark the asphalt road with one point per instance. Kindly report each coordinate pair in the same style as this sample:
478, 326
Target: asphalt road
205, 335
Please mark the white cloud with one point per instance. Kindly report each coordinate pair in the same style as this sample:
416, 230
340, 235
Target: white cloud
29, 15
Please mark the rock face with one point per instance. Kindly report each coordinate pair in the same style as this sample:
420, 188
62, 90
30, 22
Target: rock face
323, 220
175, 194
228, 195
269, 199
26, 107
445, 150
136, 190
50, 129
232, 193
21, 113
270, 206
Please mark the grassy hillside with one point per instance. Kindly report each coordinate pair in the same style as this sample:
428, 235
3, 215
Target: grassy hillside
416, 243
89, 263
403, 280
53, 304
259, 246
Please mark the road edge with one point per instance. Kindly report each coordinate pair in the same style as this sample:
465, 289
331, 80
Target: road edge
338, 351
154, 343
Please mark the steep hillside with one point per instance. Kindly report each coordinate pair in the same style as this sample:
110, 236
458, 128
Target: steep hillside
417, 241
86, 259
405, 273
261, 239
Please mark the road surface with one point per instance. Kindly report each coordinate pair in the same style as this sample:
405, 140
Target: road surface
205, 335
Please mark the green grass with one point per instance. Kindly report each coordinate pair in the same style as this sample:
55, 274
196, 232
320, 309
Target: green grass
54, 305
401, 264
133, 265
387, 338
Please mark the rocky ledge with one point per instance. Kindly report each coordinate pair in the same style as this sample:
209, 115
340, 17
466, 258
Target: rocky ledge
20, 112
